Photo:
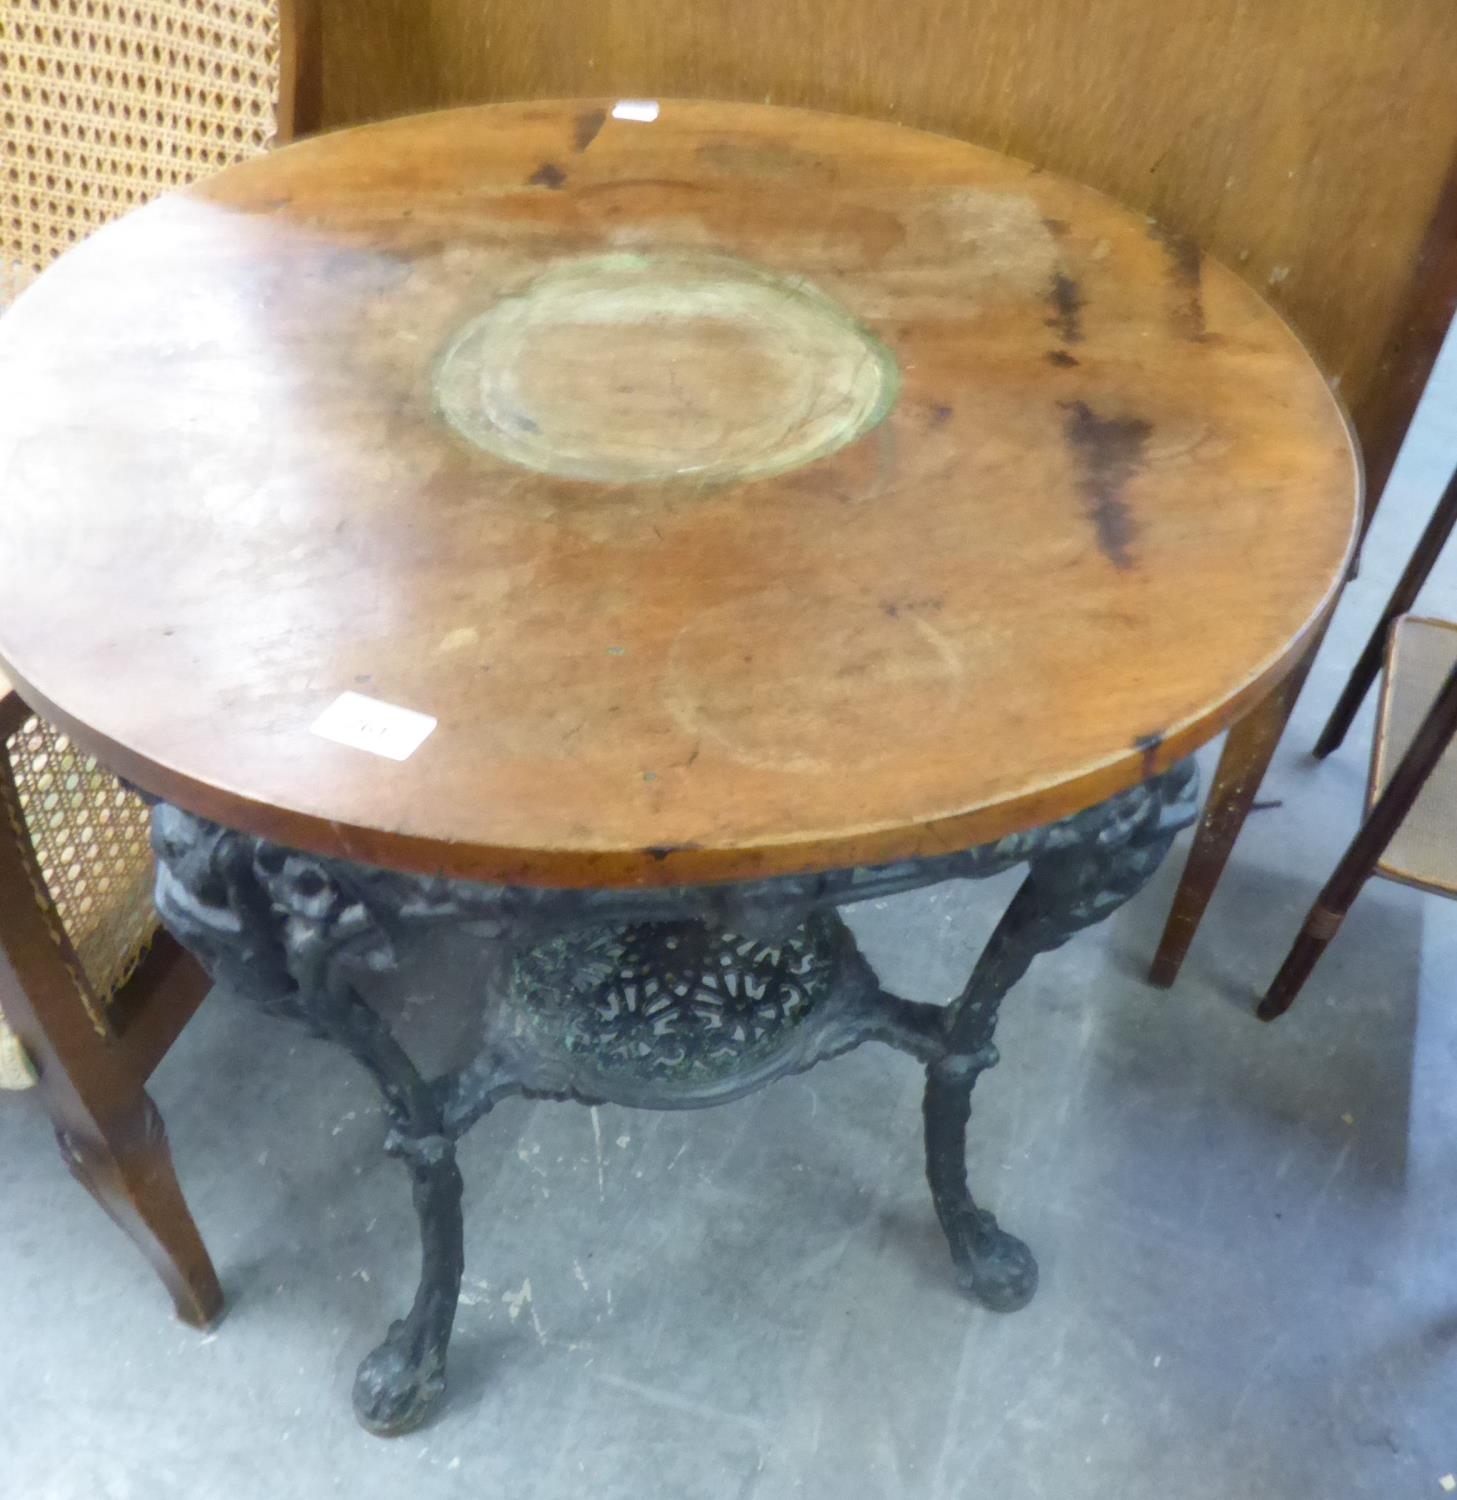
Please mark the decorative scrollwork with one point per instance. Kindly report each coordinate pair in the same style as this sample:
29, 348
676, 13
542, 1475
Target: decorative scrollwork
662, 998
673, 1013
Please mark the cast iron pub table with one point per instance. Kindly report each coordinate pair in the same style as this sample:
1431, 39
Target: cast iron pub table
621, 535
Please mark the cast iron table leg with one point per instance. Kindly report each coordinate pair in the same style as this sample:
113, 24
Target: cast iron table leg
661, 999
1105, 858
401, 1380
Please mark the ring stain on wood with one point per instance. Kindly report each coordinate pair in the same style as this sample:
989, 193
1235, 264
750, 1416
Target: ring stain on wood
722, 371
1109, 452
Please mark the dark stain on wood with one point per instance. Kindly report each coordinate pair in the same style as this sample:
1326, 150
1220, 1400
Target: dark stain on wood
626, 186
1062, 359
940, 415
892, 609
1057, 228
1148, 747
1109, 452
1186, 279
547, 175
661, 852
589, 124
764, 159
1066, 298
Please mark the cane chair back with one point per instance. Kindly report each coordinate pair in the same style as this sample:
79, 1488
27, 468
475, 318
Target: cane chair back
105, 104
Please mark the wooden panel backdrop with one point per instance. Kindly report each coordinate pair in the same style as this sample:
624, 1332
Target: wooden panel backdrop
1306, 143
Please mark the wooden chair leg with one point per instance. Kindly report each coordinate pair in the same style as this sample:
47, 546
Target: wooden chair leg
128, 1171
1359, 860
1403, 596
92, 1082
112, 1138
1321, 925
1242, 764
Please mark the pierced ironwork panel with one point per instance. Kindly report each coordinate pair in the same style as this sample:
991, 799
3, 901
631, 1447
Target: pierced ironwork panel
666, 999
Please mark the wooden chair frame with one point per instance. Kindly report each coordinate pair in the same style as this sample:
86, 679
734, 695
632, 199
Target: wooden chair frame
1430, 304
92, 1081
93, 1086
1381, 824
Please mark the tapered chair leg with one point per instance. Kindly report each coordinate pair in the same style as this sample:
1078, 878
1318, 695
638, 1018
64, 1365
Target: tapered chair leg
1321, 925
1242, 765
1360, 859
1403, 596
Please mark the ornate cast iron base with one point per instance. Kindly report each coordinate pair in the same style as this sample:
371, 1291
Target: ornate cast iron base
663, 999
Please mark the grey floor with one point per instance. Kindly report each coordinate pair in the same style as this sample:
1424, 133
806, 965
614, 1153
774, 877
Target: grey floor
1248, 1235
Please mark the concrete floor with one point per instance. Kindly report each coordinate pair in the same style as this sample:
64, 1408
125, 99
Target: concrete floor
1249, 1286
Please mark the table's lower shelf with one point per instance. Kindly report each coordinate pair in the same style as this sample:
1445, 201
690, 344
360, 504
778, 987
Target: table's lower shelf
659, 999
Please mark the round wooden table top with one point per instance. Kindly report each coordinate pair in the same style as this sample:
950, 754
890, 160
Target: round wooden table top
740, 491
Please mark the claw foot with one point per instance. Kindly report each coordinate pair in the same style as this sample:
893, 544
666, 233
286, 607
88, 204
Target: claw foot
995, 1267
398, 1384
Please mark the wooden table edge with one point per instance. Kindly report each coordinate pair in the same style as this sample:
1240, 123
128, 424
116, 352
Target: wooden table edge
585, 869
686, 864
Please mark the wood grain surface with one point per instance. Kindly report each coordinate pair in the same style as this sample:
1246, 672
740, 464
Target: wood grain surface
1305, 143
1107, 498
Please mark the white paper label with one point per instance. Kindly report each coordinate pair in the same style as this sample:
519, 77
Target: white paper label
367, 724
644, 111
